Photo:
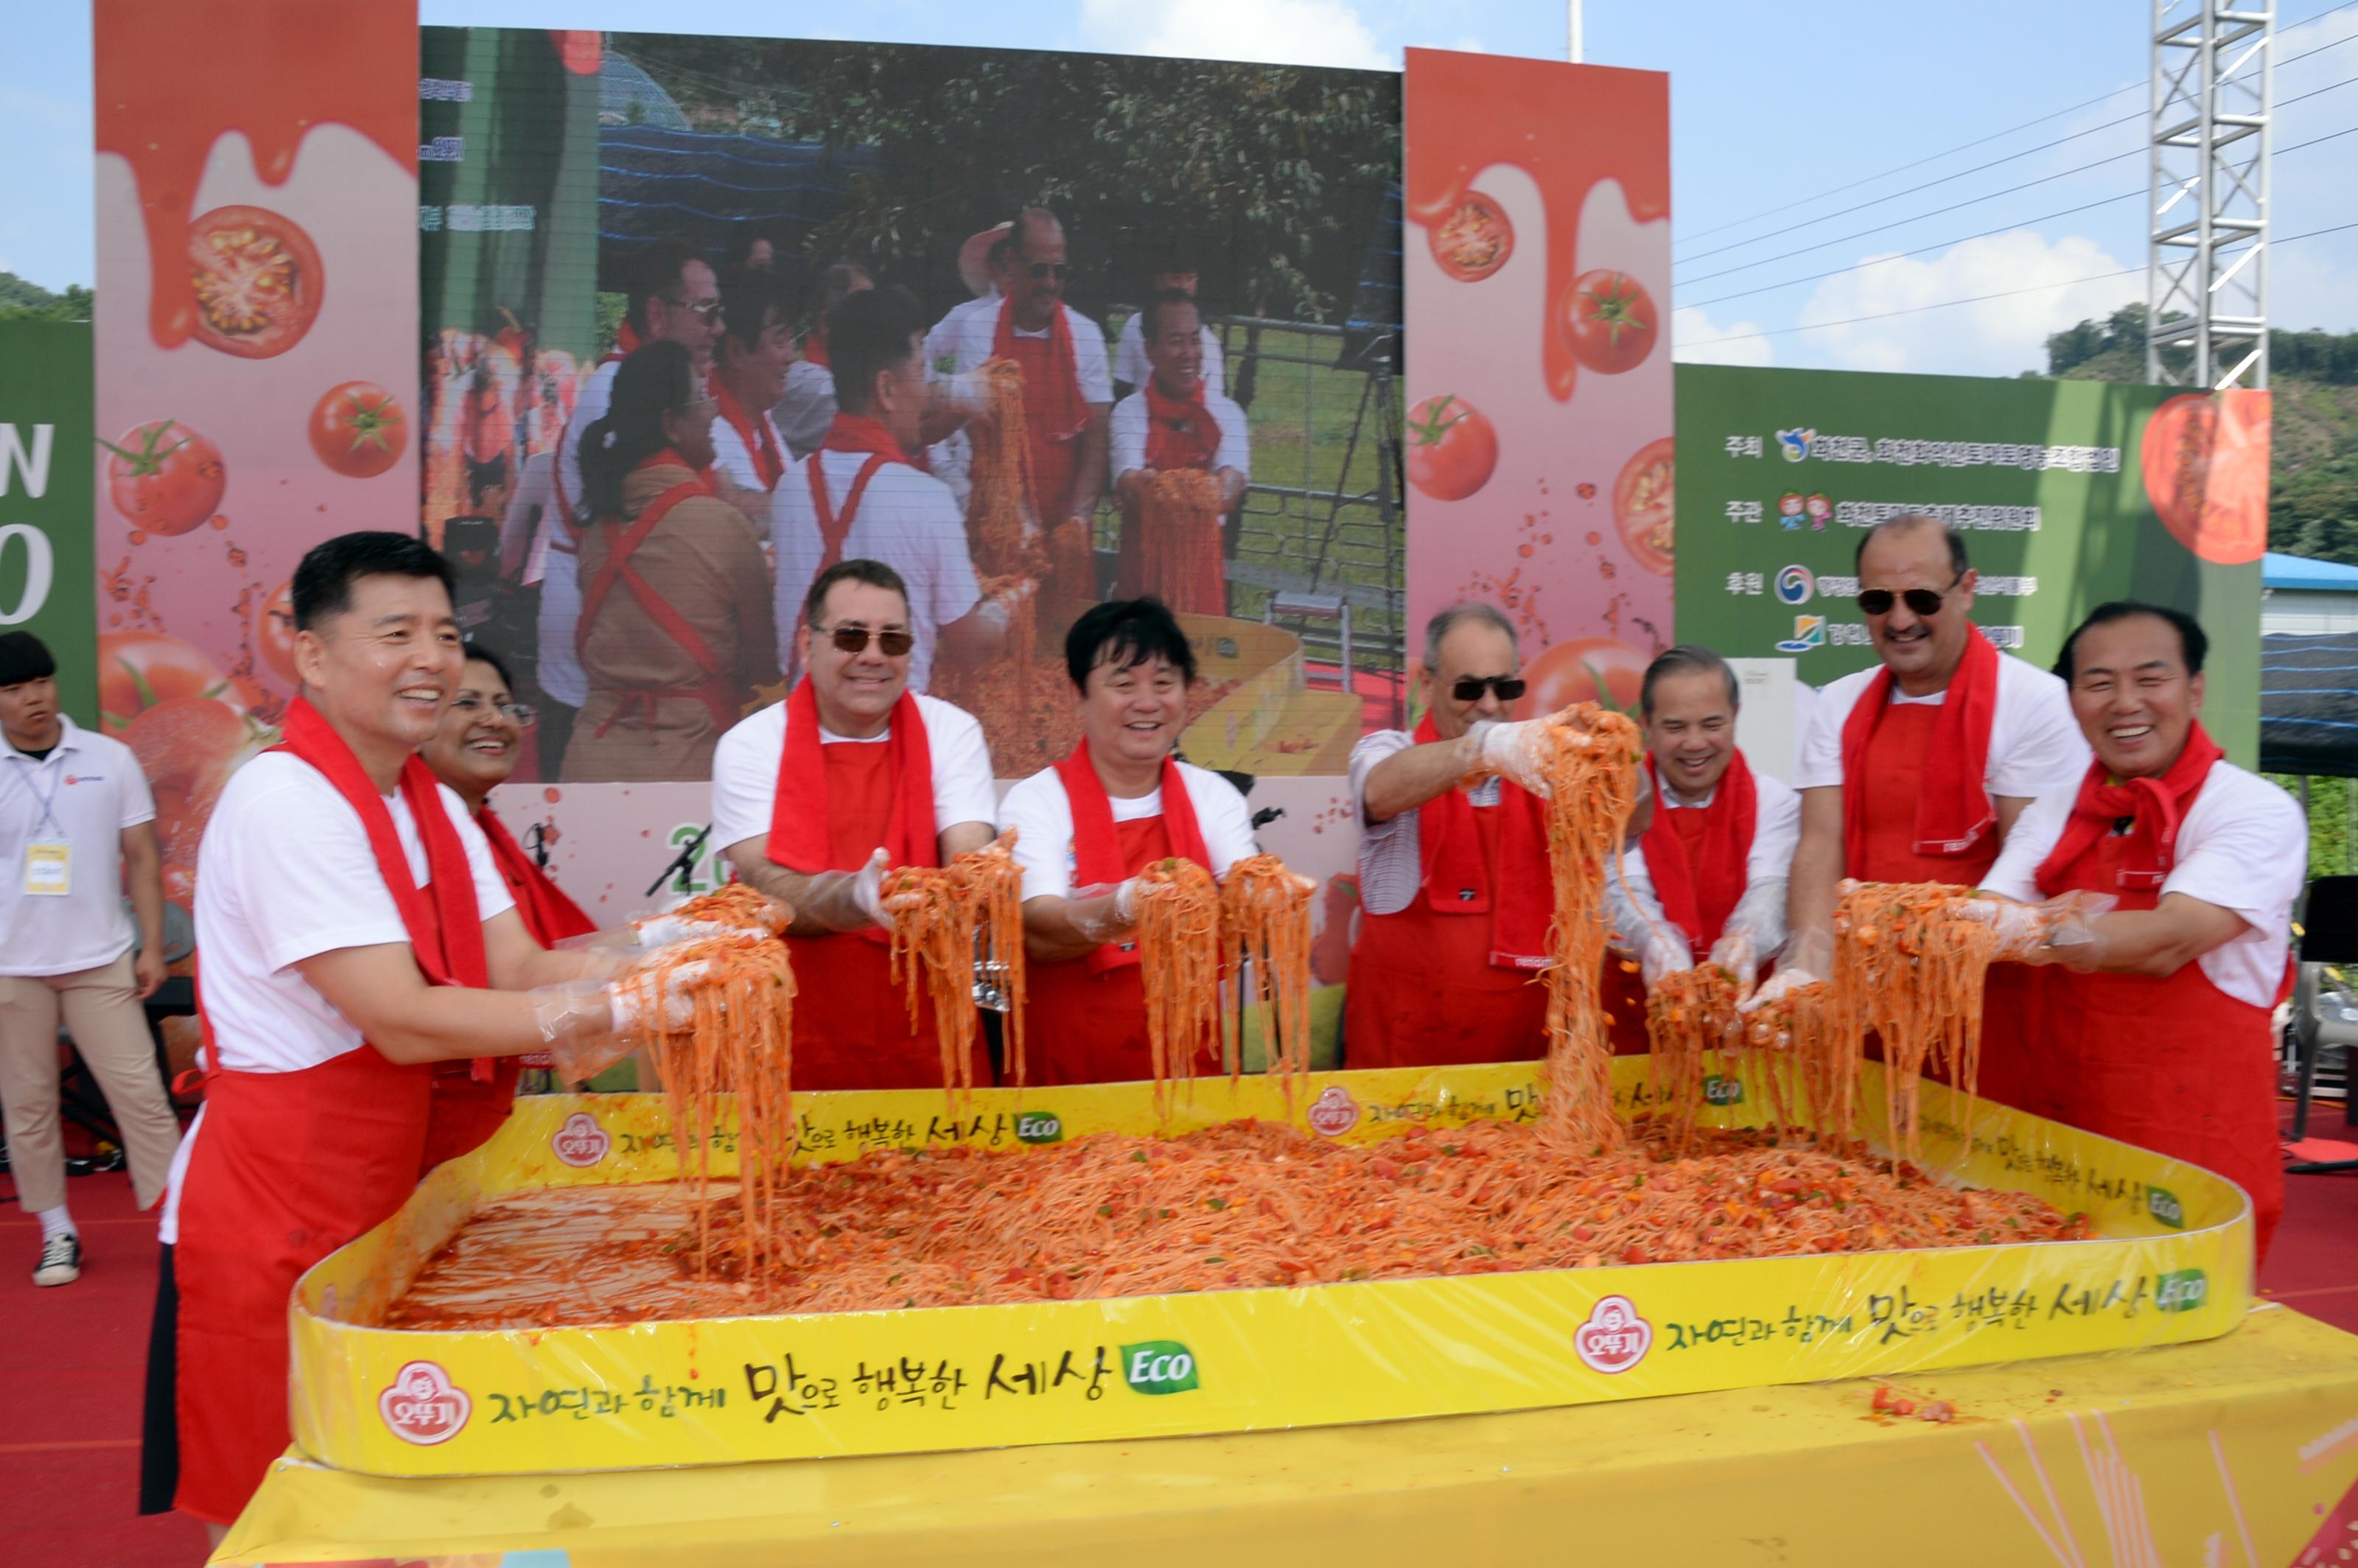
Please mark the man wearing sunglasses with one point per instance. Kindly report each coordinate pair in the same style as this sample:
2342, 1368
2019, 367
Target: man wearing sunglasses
1453, 893
816, 798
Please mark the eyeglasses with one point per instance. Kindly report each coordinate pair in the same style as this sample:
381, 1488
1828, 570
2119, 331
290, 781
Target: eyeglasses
854, 640
519, 714
707, 311
1042, 271
1469, 688
1920, 602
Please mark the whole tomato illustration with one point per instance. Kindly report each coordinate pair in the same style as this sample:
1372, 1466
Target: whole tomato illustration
272, 634
1474, 241
1586, 669
358, 429
258, 281
583, 50
188, 746
163, 477
136, 670
1644, 500
2205, 463
1452, 448
1609, 321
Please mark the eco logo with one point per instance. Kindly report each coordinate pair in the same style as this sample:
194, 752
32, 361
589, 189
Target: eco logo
1334, 1112
1158, 1367
1795, 444
1809, 632
1615, 1338
580, 1141
422, 1406
2182, 1292
2163, 1204
1795, 585
1040, 1126
1720, 1089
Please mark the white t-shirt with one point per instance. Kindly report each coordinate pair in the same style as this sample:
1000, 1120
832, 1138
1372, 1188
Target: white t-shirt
2243, 846
2035, 743
1776, 830
83, 795
731, 456
965, 339
906, 519
1042, 815
286, 873
560, 674
746, 770
805, 410
1130, 364
1128, 436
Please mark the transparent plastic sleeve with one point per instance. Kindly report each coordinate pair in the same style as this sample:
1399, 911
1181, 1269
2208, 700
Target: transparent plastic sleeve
1104, 912
1809, 959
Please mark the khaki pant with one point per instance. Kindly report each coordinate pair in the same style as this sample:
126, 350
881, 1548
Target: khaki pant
102, 1011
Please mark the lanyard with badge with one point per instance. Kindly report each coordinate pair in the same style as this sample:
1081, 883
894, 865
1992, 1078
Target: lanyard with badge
48, 860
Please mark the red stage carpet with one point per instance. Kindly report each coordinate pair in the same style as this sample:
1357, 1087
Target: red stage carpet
70, 1446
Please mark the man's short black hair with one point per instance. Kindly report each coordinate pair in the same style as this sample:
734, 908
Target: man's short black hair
1126, 632
1150, 319
1688, 658
24, 657
838, 281
1907, 522
2194, 643
477, 653
751, 301
875, 574
657, 271
870, 331
324, 578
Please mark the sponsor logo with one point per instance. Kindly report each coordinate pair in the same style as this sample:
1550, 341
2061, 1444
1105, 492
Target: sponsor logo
1039, 1127
1809, 632
2182, 1292
1158, 1367
1794, 445
1334, 1112
85, 778
1720, 1089
580, 1141
1795, 585
422, 1406
2163, 1204
1615, 1338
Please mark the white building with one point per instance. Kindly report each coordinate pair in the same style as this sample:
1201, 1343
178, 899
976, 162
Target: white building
2307, 598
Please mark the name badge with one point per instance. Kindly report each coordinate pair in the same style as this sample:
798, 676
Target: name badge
47, 870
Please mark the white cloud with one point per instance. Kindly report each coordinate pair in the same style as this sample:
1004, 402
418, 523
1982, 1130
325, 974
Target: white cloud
1693, 336
1282, 32
2024, 289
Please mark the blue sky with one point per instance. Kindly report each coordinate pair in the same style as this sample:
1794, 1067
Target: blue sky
1770, 107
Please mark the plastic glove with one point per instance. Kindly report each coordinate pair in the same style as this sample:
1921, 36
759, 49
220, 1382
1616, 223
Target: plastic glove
1103, 912
2022, 929
663, 930
968, 392
1663, 950
1518, 751
1760, 915
1734, 953
1809, 958
590, 1026
846, 901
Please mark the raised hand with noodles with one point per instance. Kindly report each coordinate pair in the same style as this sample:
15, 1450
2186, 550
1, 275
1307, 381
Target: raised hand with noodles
2063, 930
1809, 959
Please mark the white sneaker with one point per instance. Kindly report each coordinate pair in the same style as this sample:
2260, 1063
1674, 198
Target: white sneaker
61, 1259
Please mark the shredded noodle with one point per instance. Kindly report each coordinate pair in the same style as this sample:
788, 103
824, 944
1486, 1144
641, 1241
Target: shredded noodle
1265, 937
1179, 953
1689, 1014
1179, 516
945, 918
1911, 972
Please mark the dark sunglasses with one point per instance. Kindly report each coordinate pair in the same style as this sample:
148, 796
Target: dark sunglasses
1057, 270
1920, 602
854, 638
1469, 687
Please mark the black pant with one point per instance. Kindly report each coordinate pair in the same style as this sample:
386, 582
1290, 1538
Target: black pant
159, 1436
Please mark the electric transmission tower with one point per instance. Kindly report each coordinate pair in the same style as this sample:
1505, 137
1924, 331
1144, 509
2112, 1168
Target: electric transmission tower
2207, 266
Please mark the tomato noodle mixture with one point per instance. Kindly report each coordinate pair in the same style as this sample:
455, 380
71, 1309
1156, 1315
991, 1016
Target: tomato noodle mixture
1179, 957
1265, 944
1688, 1013
1179, 517
945, 920
1912, 973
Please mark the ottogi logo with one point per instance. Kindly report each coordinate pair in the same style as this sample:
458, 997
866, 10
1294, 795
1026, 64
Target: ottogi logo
1795, 585
1334, 1112
2182, 1292
422, 1407
1720, 1089
1039, 1127
1809, 632
1615, 1338
1158, 1367
580, 1141
2163, 1204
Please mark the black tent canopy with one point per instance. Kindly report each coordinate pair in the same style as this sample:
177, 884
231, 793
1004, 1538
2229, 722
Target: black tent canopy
2309, 704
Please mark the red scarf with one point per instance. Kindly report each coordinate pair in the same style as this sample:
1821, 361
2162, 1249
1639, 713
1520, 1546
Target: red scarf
547, 913
627, 342
1056, 411
1456, 883
799, 819
814, 351
1699, 899
1097, 846
2154, 806
1180, 431
860, 433
1953, 810
760, 436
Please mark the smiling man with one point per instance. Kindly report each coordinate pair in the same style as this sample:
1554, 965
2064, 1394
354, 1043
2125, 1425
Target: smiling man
1086, 827
1176, 421
2156, 1031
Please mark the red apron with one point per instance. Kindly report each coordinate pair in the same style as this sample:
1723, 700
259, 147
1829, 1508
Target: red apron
718, 691
2176, 1064
851, 1021
834, 525
1423, 991
1054, 454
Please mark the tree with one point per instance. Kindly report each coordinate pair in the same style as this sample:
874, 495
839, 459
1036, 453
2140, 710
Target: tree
23, 301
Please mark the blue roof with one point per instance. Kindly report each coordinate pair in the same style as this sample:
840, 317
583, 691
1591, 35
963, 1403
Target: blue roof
2299, 571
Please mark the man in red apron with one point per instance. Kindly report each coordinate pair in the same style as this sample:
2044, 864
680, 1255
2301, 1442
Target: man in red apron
2154, 1029
816, 797
1086, 827
1914, 770
1176, 421
353, 933
1709, 875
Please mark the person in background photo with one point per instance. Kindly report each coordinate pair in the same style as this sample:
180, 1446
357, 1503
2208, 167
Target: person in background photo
76, 827
806, 408
749, 374
752, 250
1175, 271
1173, 422
675, 628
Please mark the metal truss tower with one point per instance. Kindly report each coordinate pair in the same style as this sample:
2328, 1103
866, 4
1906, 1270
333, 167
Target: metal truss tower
2207, 265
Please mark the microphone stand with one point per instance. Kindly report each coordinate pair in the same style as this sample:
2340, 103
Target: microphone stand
681, 863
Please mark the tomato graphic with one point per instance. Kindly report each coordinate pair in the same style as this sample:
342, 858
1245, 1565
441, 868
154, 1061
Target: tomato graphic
188, 746
136, 670
272, 636
258, 281
2206, 470
1643, 500
1474, 241
1609, 321
165, 477
1452, 448
1586, 669
583, 50
358, 429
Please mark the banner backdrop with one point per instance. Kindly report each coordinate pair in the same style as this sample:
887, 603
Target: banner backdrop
2067, 493
45, 498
